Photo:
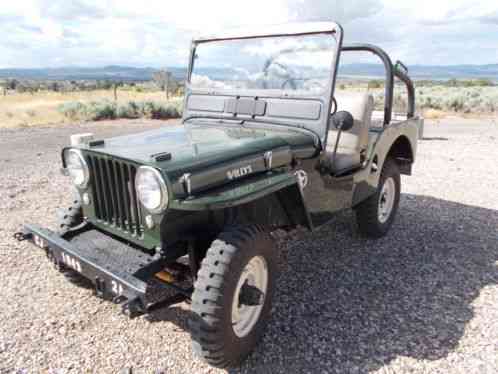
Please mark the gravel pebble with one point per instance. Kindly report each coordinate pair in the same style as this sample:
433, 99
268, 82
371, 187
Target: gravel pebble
424, 299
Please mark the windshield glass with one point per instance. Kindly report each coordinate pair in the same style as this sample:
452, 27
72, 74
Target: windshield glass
299, 64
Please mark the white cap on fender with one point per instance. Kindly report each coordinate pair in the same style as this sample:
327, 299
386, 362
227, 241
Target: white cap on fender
78, 139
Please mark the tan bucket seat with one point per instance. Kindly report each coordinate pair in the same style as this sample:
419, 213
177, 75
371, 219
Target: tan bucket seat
352, 143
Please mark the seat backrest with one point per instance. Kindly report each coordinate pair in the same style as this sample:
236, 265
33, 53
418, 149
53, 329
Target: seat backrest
360, 105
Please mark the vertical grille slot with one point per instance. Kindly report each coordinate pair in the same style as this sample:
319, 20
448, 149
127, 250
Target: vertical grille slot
114, 195
119, 195
125, 177
135, 206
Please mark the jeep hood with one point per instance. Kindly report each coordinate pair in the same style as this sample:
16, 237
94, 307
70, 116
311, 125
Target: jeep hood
198, 148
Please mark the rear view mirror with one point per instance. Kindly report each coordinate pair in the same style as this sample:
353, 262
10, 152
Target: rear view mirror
343, 120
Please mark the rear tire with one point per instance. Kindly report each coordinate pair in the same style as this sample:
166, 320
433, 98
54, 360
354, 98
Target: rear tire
376, 214
232, 296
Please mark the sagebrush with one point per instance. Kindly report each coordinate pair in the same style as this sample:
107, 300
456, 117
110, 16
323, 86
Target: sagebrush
478, 100
106, 109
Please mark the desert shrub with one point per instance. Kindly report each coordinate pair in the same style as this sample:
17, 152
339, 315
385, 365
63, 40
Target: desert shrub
148, 108
452, 82
478, 83
376, 83
105, 109
131, 109
164, 111
72, 110
100, 110
475, 99
455, 104
489, 104
177, 107
155, 110
466, 83
400, 102
474, 94
428, 102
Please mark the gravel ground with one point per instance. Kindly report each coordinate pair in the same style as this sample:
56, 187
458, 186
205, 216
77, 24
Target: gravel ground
424, 299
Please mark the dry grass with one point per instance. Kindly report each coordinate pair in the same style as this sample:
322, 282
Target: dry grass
434, 114
435, 102
25, 109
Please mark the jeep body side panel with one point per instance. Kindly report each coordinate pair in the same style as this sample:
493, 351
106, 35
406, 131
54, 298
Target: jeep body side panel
324, 194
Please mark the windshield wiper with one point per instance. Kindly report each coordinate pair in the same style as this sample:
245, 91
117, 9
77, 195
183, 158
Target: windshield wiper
218, 119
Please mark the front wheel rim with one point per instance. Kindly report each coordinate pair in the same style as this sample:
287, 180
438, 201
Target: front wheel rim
245, 317
386, 200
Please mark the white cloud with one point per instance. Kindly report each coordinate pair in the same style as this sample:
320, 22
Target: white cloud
337, 10
157, 32
445, 11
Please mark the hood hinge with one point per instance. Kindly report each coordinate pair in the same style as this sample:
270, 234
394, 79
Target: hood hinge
187, 183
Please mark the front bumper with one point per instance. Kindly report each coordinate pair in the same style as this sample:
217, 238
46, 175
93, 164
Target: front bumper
124, 282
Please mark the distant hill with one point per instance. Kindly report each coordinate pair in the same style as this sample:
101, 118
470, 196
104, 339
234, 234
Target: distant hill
126, 73
113, 72
427, 71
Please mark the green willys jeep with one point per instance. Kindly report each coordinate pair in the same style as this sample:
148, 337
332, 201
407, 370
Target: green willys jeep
185, 212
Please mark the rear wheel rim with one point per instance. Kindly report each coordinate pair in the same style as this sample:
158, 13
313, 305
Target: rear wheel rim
386, 200
245, 317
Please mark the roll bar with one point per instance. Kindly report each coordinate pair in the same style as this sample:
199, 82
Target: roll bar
399, 71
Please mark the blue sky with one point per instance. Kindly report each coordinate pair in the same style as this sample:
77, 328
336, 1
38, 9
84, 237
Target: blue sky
54, 33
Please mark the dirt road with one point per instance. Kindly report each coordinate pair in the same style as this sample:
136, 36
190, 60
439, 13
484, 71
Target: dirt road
424, 299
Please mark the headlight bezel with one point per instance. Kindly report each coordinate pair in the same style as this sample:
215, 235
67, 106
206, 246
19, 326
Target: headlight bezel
163, 188
83, 164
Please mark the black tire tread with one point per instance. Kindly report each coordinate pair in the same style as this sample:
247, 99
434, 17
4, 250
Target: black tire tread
207, 298
71, 216
366, 211
68, 219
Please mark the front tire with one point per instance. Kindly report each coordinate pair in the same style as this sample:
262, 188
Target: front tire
376, 214
70, 217
232, 295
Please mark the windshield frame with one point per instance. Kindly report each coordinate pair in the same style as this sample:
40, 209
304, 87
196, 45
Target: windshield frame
331, 29
278, 32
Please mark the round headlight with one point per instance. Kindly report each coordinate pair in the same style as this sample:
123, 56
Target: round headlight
151, 189
77, 167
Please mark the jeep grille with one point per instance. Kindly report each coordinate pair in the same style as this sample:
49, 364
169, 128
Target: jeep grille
114, 195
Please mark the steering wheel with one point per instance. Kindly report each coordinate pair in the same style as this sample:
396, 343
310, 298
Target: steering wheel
287, 75
290, 81
334, 103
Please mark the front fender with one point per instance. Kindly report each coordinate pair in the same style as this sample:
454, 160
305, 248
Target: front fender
284, 185
242, 192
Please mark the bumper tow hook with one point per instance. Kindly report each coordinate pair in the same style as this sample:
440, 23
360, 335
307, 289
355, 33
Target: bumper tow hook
133, 308
21, 236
